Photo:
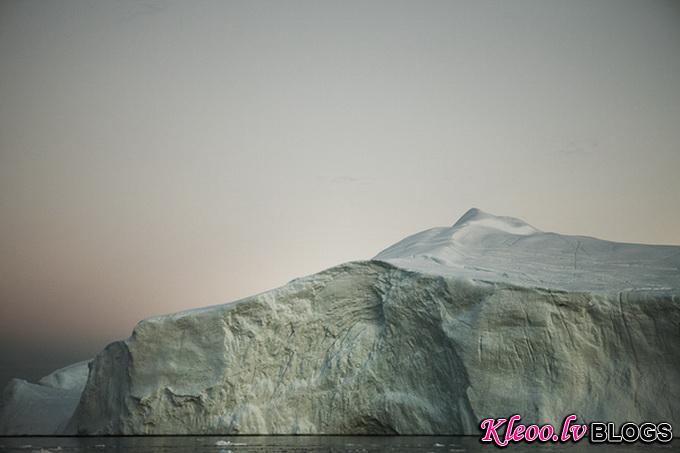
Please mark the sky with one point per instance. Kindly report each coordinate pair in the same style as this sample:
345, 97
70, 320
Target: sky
157, 156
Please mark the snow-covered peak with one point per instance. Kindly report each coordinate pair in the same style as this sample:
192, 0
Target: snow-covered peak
440, 244
485, 247
477, 218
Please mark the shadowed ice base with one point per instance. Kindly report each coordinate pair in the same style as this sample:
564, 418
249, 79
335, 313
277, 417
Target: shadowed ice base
280, 444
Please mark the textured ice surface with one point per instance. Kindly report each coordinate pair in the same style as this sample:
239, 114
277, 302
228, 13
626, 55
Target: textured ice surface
487, 318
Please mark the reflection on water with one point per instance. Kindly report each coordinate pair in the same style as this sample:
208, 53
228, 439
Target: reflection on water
281, 444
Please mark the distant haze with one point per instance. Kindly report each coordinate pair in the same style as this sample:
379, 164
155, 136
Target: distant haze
159, 156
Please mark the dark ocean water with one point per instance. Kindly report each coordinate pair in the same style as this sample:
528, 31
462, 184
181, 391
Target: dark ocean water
280, 444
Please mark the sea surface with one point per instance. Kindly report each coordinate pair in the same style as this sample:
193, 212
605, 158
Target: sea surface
281, 444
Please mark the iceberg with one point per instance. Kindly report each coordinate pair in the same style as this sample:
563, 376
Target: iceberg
44, 407
487, 318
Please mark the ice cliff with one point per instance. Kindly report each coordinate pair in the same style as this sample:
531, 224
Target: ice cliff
487, 318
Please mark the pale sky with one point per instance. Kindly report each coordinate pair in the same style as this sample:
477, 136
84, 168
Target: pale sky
159, 156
